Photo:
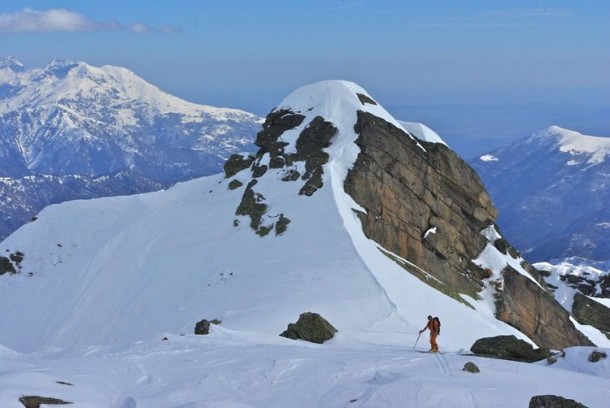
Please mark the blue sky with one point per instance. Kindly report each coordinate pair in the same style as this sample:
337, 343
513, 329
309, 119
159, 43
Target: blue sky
251, 54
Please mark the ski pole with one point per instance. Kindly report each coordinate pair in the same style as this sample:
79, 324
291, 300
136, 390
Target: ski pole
416, 341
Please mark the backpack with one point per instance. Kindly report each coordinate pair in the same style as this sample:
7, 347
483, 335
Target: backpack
439, 324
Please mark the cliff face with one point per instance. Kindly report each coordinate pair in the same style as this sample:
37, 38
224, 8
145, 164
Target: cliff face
429, 207
524, 305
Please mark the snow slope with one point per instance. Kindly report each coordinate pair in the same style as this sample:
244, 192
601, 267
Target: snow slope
104, 281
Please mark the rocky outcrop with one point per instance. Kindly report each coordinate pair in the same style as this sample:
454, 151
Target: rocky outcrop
588, 285
408, 191
554, 401
590, 312
202, 327
597, 356
508, 348
310, 327
426, 205
524, 305
471, 367
35, 401
309, 153
12, 263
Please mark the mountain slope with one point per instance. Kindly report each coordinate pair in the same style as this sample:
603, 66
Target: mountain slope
552, 191
119, 283
71, 119
128, 268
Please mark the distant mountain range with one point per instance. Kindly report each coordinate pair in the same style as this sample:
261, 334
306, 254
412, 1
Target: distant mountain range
552, 191
71, 130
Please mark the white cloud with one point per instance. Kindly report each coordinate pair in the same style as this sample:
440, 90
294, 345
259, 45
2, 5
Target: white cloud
28, 20
35, 21
140, 28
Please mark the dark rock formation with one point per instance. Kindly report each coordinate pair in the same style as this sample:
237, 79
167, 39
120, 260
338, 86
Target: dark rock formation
310, 146
34, 401
554, 401
589, 312
587, 285
310, 327
12, 263
471, 367
237, 163
409, 191
508, 348
525, 306
253, 205
596, 356
202, 327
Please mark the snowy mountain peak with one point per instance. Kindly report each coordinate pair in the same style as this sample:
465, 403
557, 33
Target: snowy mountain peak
594, 148
72, 119
559, 209
12, 64
336, 101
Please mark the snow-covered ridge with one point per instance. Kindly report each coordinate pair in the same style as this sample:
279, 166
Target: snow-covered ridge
338, 102
422, 132
597, 148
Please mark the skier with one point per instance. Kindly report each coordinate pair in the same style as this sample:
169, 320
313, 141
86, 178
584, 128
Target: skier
434, 326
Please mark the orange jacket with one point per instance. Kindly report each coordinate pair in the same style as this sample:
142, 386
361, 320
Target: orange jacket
432, 326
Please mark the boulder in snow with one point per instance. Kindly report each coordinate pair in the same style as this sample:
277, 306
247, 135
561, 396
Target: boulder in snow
508, 348
554, 401
310, 327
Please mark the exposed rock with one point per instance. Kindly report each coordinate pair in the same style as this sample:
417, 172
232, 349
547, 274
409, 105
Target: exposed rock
34, 401
604, 284
535, 312
310, 146
12, 263
596, 356
235, 184
310, 327
6, 266
508, 348
202, 327
252, 205
365, 99
588, 286
237, 163
281, 225
407, 190
590, 312
554, 401
276, 123
471, 367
